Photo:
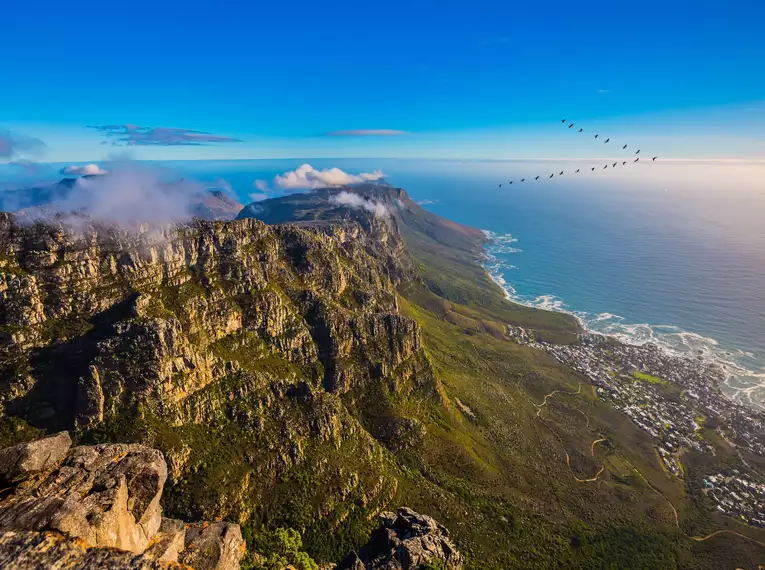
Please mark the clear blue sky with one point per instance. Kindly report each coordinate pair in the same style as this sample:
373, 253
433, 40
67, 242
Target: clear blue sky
465, 79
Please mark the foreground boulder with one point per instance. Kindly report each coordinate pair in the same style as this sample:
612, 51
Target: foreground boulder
70, 506
25, 459
405, 541
37, 550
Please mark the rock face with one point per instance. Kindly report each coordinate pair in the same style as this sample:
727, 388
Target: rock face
241, 350
405, 540
107, 496
37, 550
27, 459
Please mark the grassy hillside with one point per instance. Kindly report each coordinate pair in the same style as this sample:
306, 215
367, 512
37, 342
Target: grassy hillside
518, 457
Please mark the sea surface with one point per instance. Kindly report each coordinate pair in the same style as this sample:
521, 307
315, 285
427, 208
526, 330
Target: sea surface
670, 252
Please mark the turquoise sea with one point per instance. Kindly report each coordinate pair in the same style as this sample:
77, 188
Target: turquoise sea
671, 252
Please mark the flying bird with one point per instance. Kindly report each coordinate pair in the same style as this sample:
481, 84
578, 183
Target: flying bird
638, 158
654, 158
623, 163
637, 151
580, 130
523, 180
625, 146
596, 136
593, 169
537, 178
553, 174
510, 182
563, 120
500, 185
561, 173
571, 125
605, 141
577, 171
606, 166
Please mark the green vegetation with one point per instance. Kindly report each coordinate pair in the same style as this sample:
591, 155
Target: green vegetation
275, 550
648, 378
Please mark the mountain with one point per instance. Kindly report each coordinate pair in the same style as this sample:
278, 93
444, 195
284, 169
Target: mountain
340, 356
15, 199
206, 204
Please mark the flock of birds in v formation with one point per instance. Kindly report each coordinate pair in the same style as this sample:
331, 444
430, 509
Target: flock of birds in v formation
614, 165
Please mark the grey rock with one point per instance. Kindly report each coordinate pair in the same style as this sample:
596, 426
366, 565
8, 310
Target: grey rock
107, 495
169, 541
405, 540
54, 551
26, 459
213, 546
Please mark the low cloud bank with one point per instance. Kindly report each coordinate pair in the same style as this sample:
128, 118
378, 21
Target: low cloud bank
129, 196
306, 176
85, 170
359, 202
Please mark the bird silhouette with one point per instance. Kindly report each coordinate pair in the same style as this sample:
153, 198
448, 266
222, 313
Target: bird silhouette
605, 141
537, 178
523, 180
596, 136
500, 185
563, 120
606, 166
510, 182
625, 146
638, 158
654, 158
623, 163
577, 171
553, 174
571, 125
561, 173
637, 151
580, 130
593, 169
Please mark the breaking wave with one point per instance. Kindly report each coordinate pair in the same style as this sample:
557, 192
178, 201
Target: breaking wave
744, 373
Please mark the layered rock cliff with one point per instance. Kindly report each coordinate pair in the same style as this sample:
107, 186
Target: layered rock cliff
241, 350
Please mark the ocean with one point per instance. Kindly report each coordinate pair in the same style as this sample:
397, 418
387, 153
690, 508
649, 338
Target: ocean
669, 252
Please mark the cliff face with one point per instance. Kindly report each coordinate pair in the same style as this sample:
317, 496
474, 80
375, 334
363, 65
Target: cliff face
236, 348
99, 507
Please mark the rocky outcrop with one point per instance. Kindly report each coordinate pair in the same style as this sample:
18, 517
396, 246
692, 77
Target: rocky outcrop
106, 496
38, 550
405, 540
29, 458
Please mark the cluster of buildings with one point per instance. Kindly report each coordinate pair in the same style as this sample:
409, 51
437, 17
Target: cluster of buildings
672, 398
738, 496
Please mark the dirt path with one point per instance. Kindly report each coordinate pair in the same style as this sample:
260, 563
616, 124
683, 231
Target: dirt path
600, 472
733, 532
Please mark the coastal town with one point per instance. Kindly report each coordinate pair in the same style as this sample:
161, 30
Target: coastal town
674, 399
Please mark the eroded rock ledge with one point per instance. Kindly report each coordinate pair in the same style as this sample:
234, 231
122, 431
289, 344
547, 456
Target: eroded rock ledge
97, 507
405, 540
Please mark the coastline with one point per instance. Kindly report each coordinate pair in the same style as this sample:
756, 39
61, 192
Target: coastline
735, 381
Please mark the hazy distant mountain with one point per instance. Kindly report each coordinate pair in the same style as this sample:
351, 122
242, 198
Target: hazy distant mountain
209, 204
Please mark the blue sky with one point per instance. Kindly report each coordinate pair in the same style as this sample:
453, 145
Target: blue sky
462, 79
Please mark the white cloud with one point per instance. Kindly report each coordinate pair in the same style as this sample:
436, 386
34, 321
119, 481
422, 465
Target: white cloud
356, 201
425, 202
257, 196
306, 176
261, 185
87, 169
